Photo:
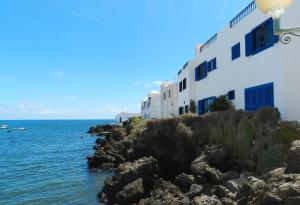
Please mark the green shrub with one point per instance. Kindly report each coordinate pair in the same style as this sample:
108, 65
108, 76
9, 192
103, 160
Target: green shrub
270, 159
220, 104
287, 133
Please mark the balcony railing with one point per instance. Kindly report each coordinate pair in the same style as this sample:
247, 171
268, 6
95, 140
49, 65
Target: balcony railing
251, 7
210, 41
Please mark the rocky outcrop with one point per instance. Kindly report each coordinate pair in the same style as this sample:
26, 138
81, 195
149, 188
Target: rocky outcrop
130, 180
223, 158
293, 158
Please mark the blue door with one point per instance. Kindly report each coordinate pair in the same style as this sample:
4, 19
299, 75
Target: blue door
259, 96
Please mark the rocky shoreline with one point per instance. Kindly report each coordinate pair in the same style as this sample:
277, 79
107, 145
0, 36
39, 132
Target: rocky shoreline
226, 158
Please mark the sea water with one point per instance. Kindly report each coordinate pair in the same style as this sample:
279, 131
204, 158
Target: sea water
46, 164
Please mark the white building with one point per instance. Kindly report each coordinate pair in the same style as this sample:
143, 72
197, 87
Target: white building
150, 106
249, 64
169, 99
124, 116
186, 86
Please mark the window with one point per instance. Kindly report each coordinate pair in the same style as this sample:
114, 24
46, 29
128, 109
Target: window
259, 96
184, 84
180, 110
169, 93
201, 71
165, 96
231, 95
186, 109
235, 51
260, 38
203, 105
180, 86
212, 65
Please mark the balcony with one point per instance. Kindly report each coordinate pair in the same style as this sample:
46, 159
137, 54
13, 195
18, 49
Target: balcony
249, 9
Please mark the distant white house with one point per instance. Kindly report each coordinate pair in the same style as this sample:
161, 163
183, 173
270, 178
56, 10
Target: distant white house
124, 116
150, 106
169, 99
186, 87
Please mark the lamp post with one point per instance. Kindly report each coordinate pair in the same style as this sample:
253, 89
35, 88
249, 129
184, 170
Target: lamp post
276, 8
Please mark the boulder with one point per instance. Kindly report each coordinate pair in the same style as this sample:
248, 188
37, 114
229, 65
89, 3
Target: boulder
131, 193
199, 165
195, 190
269, 198
165, 193
126, 173
232, 186
276, 174
289, 189
227, 201
213, 175
293, 156
206, 200
220, 191
184, 181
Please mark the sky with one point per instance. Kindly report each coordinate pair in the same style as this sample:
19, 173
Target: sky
91, 59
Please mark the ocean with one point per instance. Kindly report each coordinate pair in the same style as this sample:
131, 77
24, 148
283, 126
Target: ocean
46, 164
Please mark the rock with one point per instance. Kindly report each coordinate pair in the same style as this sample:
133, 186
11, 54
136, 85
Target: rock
256, 184
165, 193
184, 181
269, 198
213, 175
232, 186
206, 200
289, 189
292, 201
291, 177
226, 201
131, 193
220, 191
293, 156
199, 165
276, 174
126, 173
195, 190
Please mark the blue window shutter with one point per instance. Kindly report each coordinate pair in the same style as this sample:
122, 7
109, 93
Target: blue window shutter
205, 69
269, 95
197, 77
200, 107
214, 63
209, 66
249, 44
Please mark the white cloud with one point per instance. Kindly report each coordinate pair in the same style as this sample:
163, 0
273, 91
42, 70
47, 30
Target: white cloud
58, 74
158, 82
110, 109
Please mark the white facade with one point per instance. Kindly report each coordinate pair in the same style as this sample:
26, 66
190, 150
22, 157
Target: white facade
169, 99
150, 106
124, 116
277, 65
186, 86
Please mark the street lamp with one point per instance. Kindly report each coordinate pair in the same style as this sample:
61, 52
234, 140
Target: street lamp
276, 8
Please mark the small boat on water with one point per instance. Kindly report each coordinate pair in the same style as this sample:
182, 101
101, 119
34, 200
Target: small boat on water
20, 128
3, 126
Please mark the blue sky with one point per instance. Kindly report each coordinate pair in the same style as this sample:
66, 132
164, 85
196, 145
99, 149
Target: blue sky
90, 59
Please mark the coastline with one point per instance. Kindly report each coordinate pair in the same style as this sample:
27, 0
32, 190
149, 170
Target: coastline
231, 157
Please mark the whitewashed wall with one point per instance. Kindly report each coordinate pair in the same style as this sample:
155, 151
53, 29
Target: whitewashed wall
279, 64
